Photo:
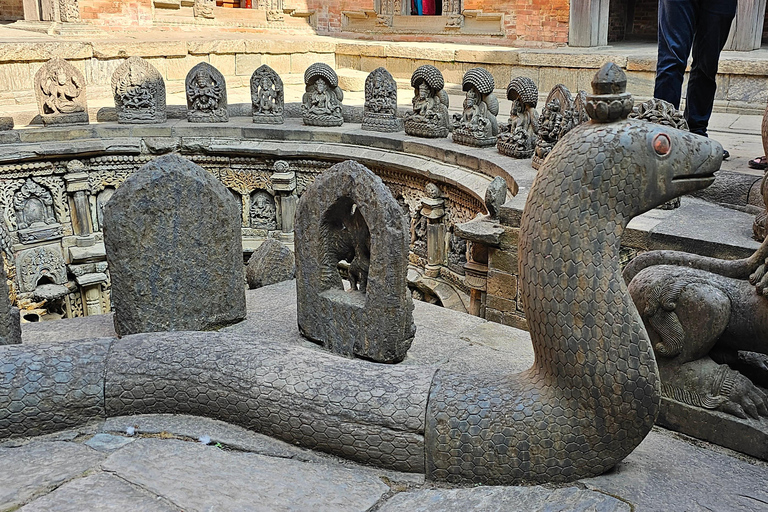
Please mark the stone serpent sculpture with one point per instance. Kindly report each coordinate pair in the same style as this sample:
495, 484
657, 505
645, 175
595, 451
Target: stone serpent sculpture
589, 400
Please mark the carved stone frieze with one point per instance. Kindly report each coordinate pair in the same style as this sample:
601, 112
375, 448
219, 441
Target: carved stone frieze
60, 92
477, 125
203, 8
267, 97
206, 95
321, 104
380, 110
139, 92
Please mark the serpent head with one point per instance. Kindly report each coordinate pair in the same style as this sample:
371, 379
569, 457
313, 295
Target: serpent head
673, 162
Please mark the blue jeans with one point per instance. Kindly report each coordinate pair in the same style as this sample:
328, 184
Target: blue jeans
701, 26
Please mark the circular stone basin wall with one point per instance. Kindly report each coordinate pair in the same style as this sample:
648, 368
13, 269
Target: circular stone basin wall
74, 170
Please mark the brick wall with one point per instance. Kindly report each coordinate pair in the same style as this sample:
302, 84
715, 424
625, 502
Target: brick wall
11, 10
116, 12
541, 20
617, 20
646, 20
328, 12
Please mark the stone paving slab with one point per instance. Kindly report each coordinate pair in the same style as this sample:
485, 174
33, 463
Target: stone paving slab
196, 477
669, 472
506, 499
36, 468
100, 492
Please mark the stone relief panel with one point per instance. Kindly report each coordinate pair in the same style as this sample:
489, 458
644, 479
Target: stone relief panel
263, 214
380, 109
206, 95
35, 216
32, 265
60, 93
267, 96
556, 120
139, 92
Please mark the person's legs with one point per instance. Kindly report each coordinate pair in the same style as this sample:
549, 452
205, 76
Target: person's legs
710, 35
677, 20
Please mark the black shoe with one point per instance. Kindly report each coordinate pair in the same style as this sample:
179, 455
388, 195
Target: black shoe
726, 154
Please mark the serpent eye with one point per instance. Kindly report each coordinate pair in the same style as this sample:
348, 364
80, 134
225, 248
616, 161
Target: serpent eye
662, 144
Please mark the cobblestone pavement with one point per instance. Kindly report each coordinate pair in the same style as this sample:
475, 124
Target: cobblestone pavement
184, 463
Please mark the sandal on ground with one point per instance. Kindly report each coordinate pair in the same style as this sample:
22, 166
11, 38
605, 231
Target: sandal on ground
760, 162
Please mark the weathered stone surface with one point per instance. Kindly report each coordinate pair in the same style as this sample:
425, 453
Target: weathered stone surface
102, 492
206, 95
49, 387
60, 92
321, 103
380, 110
267, 96
650, 478
10, 328
35, 468
193, 476
6, 123
139, 92
172, 235
107, 442
366, 412
348, 214
505, 499
271, 263
481, 230
495, 196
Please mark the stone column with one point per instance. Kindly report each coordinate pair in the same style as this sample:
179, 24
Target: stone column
433, 208
284, 185
91, 290
78, 187
476, 278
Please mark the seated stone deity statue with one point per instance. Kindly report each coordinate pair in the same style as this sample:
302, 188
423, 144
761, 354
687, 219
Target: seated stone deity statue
477, 125
321, 104
429, 117
60, 91
518, 138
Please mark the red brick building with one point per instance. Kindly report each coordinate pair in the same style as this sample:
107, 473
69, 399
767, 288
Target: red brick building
505, 22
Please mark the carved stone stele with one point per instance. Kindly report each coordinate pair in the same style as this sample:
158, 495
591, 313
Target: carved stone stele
267, 97
380, 110
139, 92
348, 218
477, 125
206, 95
429, 117
556, 120
60, 93
173, 242
321, 103
518, 138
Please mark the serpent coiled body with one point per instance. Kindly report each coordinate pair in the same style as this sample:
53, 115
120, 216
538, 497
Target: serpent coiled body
590, 398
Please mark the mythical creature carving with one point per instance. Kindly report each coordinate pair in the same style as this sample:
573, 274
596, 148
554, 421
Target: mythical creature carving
518, 138
477, 125
347, 239
206, 95
267, 97
557, 119
429, 117
702, 313
139, 92
60, 91
321, 104
380, 109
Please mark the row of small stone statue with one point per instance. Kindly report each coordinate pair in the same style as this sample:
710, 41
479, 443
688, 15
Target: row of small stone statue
139, 94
